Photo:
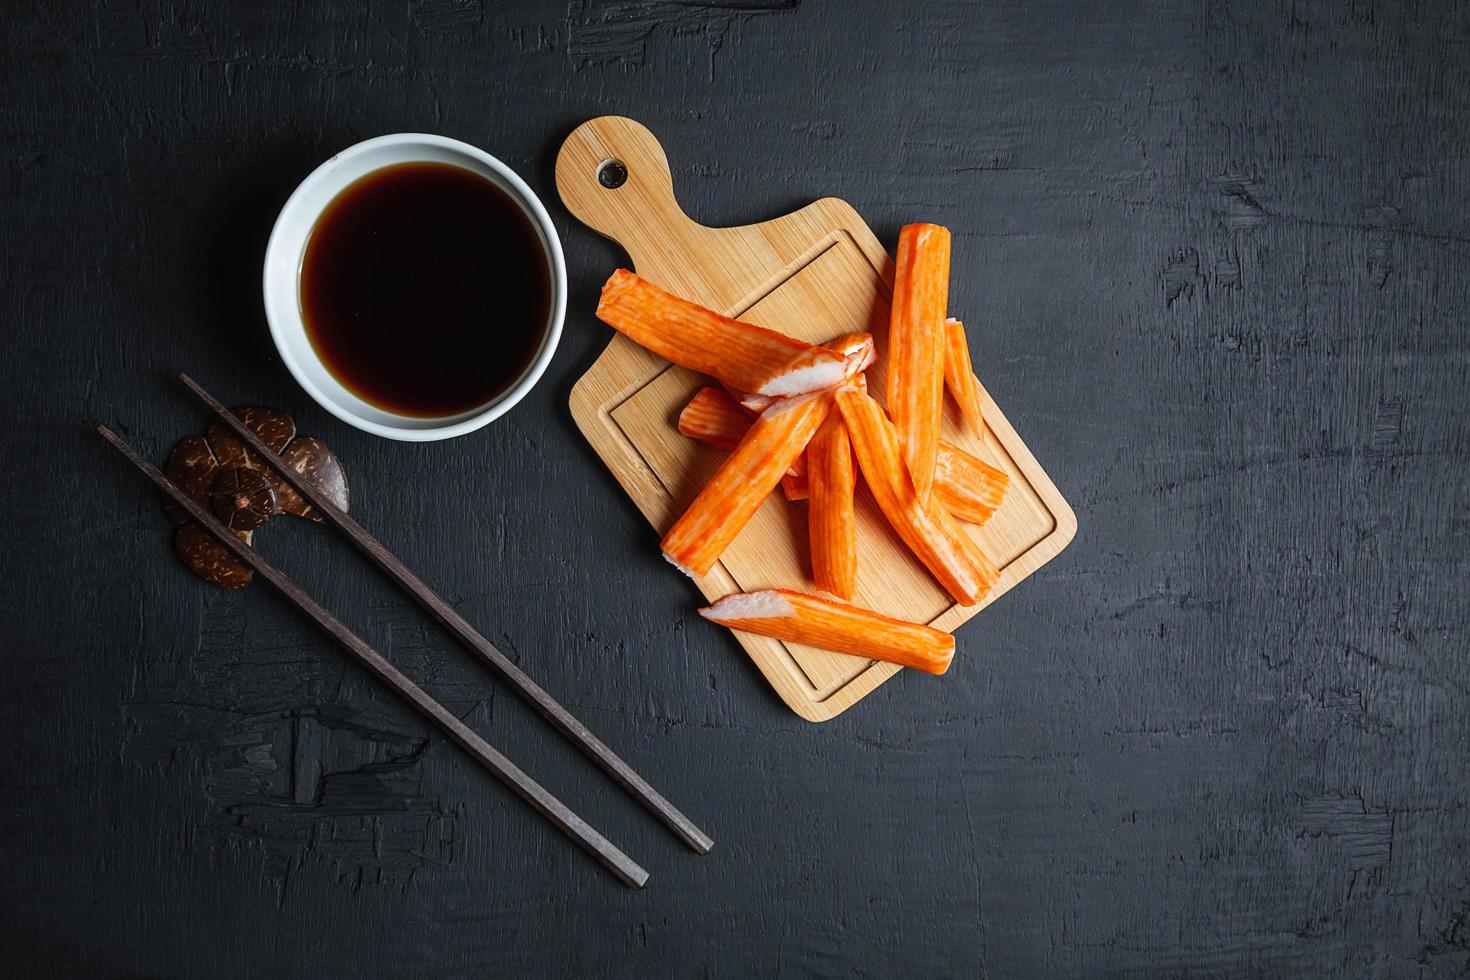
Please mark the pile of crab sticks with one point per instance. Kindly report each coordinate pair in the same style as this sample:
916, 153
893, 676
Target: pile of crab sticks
795, 414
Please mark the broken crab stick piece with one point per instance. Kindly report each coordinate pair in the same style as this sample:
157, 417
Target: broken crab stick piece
742, 355
959, 377
736, 491
753, 403
814, 370
969, 488
811, 370
926, 527
796, 486
916, 347
856, 348
713, 418
799, 618
831, 518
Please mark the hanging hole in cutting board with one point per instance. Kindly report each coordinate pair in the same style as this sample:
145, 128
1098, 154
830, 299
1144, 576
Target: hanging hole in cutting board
612, 174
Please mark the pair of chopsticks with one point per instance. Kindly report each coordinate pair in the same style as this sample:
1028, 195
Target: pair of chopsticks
620, 864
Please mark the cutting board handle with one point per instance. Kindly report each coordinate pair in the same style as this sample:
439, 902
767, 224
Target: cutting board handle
612, 174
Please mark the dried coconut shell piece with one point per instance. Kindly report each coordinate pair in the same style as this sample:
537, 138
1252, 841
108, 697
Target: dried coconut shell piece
210, 560
320, 467
229, 451
220, 473
243, 499
275, 429
193, 468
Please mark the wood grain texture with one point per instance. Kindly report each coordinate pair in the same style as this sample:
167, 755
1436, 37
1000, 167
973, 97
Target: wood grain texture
1212, 262
814, 275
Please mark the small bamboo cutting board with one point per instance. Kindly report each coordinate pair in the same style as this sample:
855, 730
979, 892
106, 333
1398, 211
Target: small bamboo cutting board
813, 274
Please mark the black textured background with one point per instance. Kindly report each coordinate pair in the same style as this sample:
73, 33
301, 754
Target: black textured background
1214, 258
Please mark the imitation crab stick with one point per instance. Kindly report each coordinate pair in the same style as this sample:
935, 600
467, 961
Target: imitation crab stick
796, 486
831, 518
959, 377
916, 347
742, 355
856, 348
736, 491
925, 526
818, 622
969, 488
713, 418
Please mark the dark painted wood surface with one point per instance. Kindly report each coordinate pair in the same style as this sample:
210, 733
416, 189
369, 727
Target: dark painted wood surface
1214, 258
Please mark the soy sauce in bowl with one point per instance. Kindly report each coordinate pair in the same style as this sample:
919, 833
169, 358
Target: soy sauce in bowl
425, 289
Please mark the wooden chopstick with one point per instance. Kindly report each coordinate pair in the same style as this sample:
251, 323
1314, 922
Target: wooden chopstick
620, 864
549, 707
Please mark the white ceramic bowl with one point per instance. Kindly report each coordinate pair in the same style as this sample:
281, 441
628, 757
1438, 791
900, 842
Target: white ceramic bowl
284, 254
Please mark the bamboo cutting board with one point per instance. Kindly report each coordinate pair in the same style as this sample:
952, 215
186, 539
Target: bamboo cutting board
813, 274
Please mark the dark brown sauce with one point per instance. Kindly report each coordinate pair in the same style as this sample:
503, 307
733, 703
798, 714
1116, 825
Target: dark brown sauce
425, 289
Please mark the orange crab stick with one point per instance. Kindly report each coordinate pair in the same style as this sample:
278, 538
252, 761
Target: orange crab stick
713, 418
817, 622
796, 486
742, 355
856, 348
927, 528
831, 519
916, 347
959, 377
968, 488
736, 491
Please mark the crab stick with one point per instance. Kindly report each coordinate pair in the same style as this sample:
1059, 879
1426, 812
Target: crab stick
831, 518
856, 348
736, 491
969, 488
925, 526
818, 622
796, 486
959, 377
916, 347
713, 418
742, 355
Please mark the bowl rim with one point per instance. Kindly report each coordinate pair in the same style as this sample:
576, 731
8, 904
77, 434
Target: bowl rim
414, 429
